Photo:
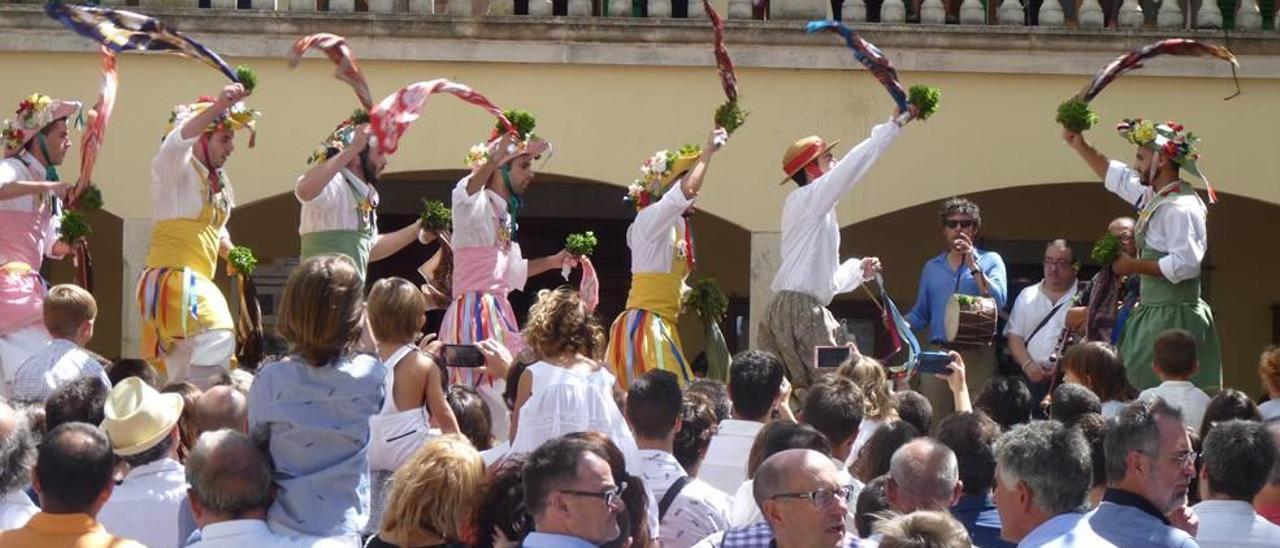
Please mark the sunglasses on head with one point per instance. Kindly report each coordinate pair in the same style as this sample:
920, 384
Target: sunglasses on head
954, 223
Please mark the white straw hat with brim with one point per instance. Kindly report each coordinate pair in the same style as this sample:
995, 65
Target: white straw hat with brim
137, 417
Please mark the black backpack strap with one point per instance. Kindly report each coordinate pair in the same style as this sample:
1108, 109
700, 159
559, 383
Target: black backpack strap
670, 497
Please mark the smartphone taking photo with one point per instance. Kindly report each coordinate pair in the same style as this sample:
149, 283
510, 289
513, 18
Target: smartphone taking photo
831, 356
462, 355
934, 362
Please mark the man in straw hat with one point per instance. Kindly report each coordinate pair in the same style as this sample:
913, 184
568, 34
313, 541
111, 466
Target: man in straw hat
35, 142
487, 260
187, 327
1172, 240
143, 427
644, 336
811, 273
340, 201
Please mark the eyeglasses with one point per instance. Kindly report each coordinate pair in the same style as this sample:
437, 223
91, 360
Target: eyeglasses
610, 497
1182, 459
953, 223
1057, 263
821, 498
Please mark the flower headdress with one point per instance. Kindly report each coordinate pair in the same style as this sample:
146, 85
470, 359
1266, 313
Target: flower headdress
658, 172
341, 136
33, 114
524, 123
236, 118
1169, 139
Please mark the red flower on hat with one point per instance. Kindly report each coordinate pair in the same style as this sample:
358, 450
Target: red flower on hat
1174, 125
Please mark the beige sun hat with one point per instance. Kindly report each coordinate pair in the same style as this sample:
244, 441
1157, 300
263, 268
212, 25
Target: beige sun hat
138, 417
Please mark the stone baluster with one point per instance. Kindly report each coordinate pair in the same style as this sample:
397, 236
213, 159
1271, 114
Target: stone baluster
1130, 15
854, 11
932, 12
1248, 17
1209, 16
1011, 13
1051, 14
971, 13
739, 9
893, 11
542, 8
1169, 15
1091, 16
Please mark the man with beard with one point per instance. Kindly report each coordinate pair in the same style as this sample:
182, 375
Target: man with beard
644, 336
1150, 463
487, 259
1171, 241
35, 141
187, 327
340, 201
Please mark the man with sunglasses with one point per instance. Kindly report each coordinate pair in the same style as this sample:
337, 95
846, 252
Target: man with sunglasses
810, 273
963, 269
570, 492
804, 505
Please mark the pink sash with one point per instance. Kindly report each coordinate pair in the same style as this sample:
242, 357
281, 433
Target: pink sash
22, 243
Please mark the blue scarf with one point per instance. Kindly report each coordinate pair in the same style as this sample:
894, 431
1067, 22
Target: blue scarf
50, 172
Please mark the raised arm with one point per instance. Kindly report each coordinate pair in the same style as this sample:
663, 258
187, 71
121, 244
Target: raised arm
1094, 159
499, 153
693, 181
230, 95
827, 190
312, 183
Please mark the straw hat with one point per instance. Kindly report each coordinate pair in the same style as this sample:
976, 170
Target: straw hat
34, 114
801, 152
138, 417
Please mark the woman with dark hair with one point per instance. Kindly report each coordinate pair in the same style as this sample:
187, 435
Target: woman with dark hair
501, 520
873, 461
1226, 405
472, 415
1097, 366
639, 524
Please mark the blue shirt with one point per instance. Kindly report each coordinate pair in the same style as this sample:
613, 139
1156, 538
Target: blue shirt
1126, 519
316, 422
550, 540
1068, 530
938, 283
979, 516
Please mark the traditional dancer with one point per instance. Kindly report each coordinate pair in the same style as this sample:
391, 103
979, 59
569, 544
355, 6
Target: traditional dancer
644, 336
340, 199
187, 327
1171, 238
487, 260
35, 143
811, 273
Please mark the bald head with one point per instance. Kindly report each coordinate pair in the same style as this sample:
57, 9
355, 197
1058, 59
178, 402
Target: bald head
781, 472
230, 478
1120, 225
222, 407
923, 475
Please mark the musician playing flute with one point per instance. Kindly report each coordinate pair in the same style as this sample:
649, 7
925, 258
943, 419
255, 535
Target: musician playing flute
962, 269
1039, 314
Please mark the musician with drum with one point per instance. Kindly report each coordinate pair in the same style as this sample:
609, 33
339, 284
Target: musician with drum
1038, 319
962, 291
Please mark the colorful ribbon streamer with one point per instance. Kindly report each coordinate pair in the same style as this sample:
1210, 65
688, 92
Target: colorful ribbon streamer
870, 56
899, 329
347, 70
728, 78
1133, 60
122, 30
391, 117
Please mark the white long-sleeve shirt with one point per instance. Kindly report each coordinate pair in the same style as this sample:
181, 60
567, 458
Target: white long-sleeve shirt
334, 208
810, 232
650, 236
177, 191
475, 224
1176, 228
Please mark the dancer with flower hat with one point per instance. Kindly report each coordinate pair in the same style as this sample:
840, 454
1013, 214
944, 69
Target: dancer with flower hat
340, 199
188, 331
488, 263
644, 336
35, 143
1172, 239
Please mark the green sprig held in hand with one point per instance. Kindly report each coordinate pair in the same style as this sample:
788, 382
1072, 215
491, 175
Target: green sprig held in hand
435, 216
1076, 115
74, 227
1106, 249
581, 244
242, 259
247, 77
925, 99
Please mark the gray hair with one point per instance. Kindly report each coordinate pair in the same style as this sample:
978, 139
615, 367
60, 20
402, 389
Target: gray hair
17, 452
228, 474
1135, 429
1238, 458
1052, 459
926, 470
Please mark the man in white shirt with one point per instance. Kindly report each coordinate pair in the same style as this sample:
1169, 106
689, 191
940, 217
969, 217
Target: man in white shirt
810, 272
18, 453
1042, 479
1175, 364
1039, 316
755, 388
230, 492
339, 199
143, 427
187, 326
688, 508
1238, 458
1172, 240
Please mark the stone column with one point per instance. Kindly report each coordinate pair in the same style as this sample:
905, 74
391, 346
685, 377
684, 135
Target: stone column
854, 11
135, 240
766, 254
1248, 18
1011, 13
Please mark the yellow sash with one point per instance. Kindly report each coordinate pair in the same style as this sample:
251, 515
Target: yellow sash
658, 292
